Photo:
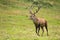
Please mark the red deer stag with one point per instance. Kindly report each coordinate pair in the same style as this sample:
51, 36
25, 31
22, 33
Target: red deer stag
38, 22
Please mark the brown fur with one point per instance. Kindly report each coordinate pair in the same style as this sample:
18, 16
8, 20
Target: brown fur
39, 23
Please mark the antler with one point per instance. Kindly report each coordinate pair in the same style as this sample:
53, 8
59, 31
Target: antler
30, 9
37, 9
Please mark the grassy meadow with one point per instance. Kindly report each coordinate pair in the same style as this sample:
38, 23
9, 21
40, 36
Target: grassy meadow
15, 23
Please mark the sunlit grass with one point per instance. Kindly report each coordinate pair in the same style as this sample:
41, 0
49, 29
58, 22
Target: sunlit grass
19, 27
15, 23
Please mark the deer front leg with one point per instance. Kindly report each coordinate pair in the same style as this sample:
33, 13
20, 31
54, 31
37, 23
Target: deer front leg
38, 31
35, 28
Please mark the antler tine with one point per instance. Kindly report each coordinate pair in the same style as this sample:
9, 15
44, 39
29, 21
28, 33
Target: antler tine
37, 10
30, 9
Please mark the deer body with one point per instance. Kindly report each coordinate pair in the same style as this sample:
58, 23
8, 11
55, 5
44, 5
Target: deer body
38, 22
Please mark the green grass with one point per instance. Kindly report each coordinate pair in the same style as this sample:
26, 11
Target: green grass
19, 27
15, 23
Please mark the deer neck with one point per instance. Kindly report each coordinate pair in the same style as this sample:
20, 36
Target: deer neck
35, 19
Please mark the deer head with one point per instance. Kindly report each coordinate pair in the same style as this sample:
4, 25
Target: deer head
32, 16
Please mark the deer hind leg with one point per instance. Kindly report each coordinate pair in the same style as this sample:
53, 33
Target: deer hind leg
42, 30
46, 29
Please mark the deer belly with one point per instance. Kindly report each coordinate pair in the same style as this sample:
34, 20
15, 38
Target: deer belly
42, 23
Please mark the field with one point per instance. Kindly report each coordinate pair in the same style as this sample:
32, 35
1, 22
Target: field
15, 23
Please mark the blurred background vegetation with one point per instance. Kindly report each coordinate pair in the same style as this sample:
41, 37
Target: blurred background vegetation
15, 23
